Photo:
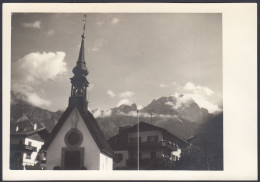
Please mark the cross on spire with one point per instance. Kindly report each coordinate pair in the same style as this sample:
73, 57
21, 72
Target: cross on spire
84, 22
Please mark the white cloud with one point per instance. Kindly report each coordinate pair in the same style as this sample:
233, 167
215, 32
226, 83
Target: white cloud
36, 100
203, 102
115, 20
124, 101
101, 113
97, 113
198, 89
98, 44
183, 99
190, 92
32, 70
50, 32
111, 93
139, 107
163, 85
126, 94
126, 98
172, 85
36, 24
41, 66
107, 112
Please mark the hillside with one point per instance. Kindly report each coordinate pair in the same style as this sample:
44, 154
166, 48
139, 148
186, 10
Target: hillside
183, 121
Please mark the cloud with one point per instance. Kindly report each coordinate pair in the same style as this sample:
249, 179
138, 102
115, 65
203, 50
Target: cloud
115, 20
111, 93
98, 44
50, 32
183, 99
124, 101
170, 85
97, 113
198, 89
36, 100
107, 112
126, 94
191, 92
41, 66
126, 98
36, 24
163, 85
33, 69
101, 113
139, 107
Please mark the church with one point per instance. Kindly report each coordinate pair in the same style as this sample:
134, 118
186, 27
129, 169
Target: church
77, 142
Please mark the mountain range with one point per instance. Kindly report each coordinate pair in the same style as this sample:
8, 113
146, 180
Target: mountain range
182, 119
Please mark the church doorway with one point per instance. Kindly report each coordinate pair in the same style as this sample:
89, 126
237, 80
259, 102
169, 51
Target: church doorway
72, 160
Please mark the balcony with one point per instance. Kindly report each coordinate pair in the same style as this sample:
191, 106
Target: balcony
150, 164
152, 145
22, 147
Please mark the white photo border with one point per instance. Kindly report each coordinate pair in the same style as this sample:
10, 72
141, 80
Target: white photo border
239, 22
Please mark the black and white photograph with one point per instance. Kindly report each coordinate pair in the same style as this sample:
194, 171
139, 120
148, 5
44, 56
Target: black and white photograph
118, 92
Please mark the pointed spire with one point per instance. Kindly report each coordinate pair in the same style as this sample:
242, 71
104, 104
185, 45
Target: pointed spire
82, 51
81, 67
79, 81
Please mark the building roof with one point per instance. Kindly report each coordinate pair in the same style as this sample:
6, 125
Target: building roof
148, 127
27, 133
36, 137
39, 134
143, 126
44, 134
91, 124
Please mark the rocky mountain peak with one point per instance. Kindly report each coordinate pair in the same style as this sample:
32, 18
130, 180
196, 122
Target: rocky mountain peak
124, 109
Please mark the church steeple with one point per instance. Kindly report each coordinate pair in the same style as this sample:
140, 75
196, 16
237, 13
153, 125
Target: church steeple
79, 82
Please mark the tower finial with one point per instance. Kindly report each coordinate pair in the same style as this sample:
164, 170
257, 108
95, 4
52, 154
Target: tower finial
84, 22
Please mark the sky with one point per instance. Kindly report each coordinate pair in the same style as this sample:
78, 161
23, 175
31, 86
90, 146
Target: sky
131, 58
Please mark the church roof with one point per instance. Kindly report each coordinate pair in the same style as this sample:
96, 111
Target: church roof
91, 124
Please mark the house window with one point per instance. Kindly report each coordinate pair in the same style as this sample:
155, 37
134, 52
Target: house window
152, 138
30, 143
118, 157
134, 139
28, 156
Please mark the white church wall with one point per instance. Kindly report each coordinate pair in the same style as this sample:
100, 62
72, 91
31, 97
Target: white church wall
91, 156
106, 163
91, 151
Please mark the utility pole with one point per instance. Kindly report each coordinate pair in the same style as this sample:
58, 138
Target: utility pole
137, 140
151, 118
